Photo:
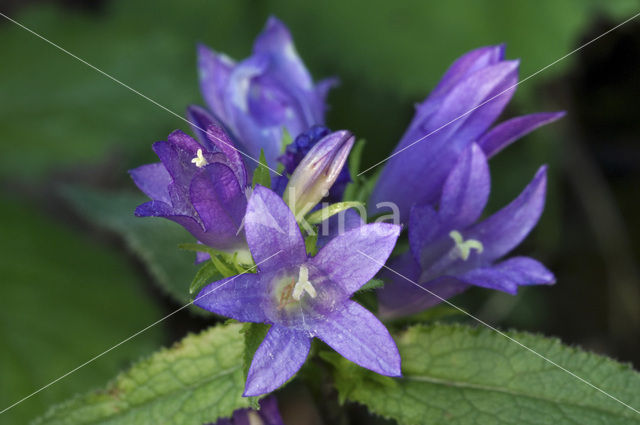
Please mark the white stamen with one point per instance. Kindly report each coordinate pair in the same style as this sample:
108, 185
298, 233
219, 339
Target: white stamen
465, 247
303, 285
199, 160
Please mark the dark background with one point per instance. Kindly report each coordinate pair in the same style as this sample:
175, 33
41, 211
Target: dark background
69, 290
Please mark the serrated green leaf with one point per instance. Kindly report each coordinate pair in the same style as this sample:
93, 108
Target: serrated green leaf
196, 381
152, 239
262, 174
460, 375
208, 273
63, 299
333, 209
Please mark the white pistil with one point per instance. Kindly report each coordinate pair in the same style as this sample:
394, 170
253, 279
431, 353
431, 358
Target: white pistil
303, 285
465, 247
199, 160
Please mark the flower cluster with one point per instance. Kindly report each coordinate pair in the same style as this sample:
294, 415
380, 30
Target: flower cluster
301, 284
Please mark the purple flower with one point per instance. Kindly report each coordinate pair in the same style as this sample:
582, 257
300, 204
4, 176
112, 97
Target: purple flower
314, 177
451, 118
267, 415
260, 95
301, 297
199, 186
451, 250
298, 149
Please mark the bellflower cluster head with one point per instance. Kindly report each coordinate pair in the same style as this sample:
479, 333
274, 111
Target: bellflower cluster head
259, 96
459, 111
315, 175
267, 415
301, 297
451, 250
202, 187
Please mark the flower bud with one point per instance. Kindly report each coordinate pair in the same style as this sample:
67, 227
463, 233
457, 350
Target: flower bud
317, 172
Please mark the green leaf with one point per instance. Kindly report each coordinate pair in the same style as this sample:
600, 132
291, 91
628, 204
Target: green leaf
196, 381
321, 215
311, 244
208, 273
461, 375
373, 284
286, 140
355, 157
153, 239
64, 298
262, 174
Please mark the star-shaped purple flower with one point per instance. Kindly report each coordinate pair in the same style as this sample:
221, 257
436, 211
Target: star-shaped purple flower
199, 186
259, 96
304, 297
459, 111
450, 250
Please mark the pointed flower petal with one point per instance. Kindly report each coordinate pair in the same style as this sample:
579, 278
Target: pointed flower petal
466, 190
318, 171
199, 119
358, 335
272, 232
511, 130
222, 143
508, 275
276, 42
416, 175
230, 297
504, 230
153, 180
279, 357
353, 258
221, 205
213, 71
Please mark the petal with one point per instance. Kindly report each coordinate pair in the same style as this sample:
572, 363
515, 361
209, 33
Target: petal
322, 90
415, 175
466, 65
221, 205
269, 411
338, 224
213, 71
504, 230
199, 119
217, 136
353, 258
273, 234
279, 357
176, 155
401, 297
509, 274
239, 297
275, 41
466, 190
424, 228
359, 336
248, 130
153, 180
164, 210
478, 100
511, 130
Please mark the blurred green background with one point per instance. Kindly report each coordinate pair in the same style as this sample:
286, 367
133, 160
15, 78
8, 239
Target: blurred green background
79, 273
